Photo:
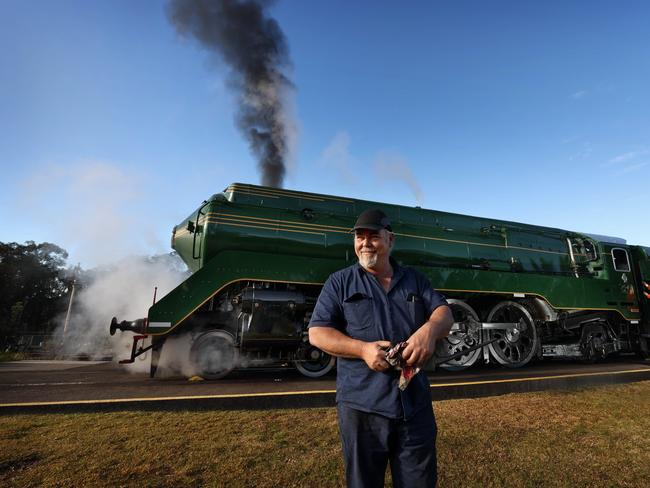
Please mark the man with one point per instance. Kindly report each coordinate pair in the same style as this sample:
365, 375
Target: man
363, 310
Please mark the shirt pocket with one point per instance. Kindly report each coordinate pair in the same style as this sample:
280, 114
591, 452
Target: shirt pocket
359, 315
415, 308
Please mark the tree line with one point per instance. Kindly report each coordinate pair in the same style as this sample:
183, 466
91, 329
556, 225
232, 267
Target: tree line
35, 284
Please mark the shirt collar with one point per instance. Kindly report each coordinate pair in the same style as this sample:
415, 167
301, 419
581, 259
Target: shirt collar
398, 271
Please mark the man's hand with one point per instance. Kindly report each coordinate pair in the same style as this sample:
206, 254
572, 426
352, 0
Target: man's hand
334, 342
423, 341
420, 347
374, 354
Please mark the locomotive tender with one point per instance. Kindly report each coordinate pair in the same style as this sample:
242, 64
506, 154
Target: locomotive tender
260, 255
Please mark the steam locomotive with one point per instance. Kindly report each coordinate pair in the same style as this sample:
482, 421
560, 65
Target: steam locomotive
260, 255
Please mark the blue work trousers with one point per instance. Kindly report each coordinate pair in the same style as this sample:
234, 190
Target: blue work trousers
370, 441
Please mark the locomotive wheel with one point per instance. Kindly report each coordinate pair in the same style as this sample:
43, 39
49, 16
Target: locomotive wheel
458, 340
213, 355
516, 347
316, 364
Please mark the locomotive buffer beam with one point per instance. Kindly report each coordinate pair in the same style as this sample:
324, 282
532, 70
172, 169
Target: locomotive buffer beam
138, 326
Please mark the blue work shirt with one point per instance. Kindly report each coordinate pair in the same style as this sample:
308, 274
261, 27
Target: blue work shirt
354, 302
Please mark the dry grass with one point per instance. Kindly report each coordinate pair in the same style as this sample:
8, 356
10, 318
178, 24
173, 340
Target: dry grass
598, 437
13, 356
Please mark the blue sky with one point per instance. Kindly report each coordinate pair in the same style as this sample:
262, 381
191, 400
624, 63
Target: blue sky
113, 128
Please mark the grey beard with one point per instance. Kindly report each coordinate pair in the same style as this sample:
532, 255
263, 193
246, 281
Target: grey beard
368, 261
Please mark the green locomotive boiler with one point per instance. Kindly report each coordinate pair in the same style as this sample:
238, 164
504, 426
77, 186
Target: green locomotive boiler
260, 255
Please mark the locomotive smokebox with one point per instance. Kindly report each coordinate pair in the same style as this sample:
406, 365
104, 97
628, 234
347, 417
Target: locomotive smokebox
138, 326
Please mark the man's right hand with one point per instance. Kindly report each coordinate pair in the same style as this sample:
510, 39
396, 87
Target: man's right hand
374, 354
334, 342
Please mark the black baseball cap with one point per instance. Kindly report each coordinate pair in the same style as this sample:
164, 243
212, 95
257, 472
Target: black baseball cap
373, 219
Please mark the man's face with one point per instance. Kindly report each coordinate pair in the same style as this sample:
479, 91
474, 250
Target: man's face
372, 247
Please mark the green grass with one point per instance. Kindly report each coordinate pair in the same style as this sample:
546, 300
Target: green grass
597, 437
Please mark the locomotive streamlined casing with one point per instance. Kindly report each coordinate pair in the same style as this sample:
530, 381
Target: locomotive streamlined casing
257, 233
280, 240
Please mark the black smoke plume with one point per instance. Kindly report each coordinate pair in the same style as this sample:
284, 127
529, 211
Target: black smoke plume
242, 34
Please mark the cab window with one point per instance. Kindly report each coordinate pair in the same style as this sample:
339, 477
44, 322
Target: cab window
590, 250
621, 261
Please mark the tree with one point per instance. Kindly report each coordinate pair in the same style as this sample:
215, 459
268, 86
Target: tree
33, 286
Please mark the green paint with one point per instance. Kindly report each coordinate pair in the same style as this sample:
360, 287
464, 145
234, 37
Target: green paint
253, 232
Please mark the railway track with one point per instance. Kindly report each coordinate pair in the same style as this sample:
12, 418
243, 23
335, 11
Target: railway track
82, 386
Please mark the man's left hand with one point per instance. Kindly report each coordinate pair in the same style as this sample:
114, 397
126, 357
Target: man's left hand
423, 341
420, 347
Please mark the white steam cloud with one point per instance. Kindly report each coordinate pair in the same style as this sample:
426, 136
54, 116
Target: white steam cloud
95, 210
337, 157
124, 289
393, 167
175, 357
103, 214
339, 161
